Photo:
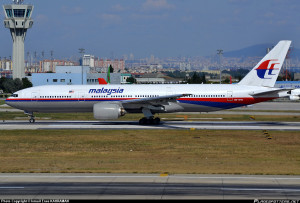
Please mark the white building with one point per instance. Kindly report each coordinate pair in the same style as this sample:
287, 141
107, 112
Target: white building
88, 60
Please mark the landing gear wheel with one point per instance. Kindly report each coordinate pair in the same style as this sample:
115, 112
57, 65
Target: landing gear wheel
143, 121
31, 120
156, 121
149, 121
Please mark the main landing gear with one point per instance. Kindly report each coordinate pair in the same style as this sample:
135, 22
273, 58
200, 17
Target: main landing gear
149, 118
149, 121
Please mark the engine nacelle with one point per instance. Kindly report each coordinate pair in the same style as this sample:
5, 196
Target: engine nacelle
106, 111
295, 94
294, 97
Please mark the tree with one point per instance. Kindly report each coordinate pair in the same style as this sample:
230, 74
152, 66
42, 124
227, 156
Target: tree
227, 80
203, 78
111, 69
18, 84
10, 86
2, 80
197, 78
26, 83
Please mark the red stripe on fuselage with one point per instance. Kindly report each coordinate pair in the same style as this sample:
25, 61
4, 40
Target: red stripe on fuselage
234, 100
244, 100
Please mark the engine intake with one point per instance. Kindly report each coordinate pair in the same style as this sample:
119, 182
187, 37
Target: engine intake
107, 111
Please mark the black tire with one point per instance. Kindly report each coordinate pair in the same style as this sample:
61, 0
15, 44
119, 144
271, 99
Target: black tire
142, 121
156, 121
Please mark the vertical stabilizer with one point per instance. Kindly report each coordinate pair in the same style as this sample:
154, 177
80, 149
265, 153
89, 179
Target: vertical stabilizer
265, 73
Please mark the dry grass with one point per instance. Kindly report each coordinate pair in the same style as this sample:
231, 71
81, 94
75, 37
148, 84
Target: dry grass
150, 151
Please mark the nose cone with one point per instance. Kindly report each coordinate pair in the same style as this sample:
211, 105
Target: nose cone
9, 102
17, 100
13, 102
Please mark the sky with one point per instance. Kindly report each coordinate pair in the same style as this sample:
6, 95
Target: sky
163, 28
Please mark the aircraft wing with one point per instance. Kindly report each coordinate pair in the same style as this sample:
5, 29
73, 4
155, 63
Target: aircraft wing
270, 92
155, 100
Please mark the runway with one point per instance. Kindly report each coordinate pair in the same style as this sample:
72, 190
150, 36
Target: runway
284, 108
121, 125
147, 186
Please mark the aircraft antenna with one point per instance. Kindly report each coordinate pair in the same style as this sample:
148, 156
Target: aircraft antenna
18, 1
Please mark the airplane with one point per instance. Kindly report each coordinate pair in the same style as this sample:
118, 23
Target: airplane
113, 101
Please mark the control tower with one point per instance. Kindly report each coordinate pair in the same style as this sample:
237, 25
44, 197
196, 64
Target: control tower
18, 20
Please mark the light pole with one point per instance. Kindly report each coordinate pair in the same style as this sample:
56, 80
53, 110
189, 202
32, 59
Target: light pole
220, 53
81, 51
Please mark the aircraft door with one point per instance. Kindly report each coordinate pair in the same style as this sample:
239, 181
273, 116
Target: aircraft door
229, 96
35, 96
81, 96
169, 91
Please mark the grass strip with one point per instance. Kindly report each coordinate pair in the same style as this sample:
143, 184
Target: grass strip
150, 151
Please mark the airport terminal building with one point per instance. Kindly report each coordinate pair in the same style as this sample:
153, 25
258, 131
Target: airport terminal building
288, 84
75, 75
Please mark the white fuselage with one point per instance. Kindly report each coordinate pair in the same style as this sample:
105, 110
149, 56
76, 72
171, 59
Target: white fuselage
81, 98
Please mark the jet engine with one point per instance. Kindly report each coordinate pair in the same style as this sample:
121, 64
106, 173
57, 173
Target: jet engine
107, 111
294, 97
295, 94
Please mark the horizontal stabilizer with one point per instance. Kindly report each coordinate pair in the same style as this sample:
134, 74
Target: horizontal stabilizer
268, 93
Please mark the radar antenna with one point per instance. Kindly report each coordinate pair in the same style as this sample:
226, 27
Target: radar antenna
18, 1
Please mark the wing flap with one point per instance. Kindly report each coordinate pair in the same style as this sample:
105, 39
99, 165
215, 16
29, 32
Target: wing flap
155, 100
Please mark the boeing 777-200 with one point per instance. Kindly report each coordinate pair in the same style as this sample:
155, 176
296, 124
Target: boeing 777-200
113, 101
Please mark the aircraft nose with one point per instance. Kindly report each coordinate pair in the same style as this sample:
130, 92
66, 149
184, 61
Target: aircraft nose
10, 103
7, 101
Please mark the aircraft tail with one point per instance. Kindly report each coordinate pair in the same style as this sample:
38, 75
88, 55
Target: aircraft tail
102, 81
265, 73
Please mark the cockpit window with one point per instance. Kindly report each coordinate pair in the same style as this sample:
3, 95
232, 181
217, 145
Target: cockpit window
14, 95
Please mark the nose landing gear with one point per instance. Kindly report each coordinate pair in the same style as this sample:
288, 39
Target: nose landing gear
32, 117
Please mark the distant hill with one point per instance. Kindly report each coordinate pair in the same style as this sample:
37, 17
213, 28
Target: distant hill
257, 50
252, 51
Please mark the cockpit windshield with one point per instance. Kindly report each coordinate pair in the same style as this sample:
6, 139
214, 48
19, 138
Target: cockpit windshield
14, 95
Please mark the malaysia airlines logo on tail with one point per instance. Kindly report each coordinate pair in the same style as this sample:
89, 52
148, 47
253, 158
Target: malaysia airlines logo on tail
263, 68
